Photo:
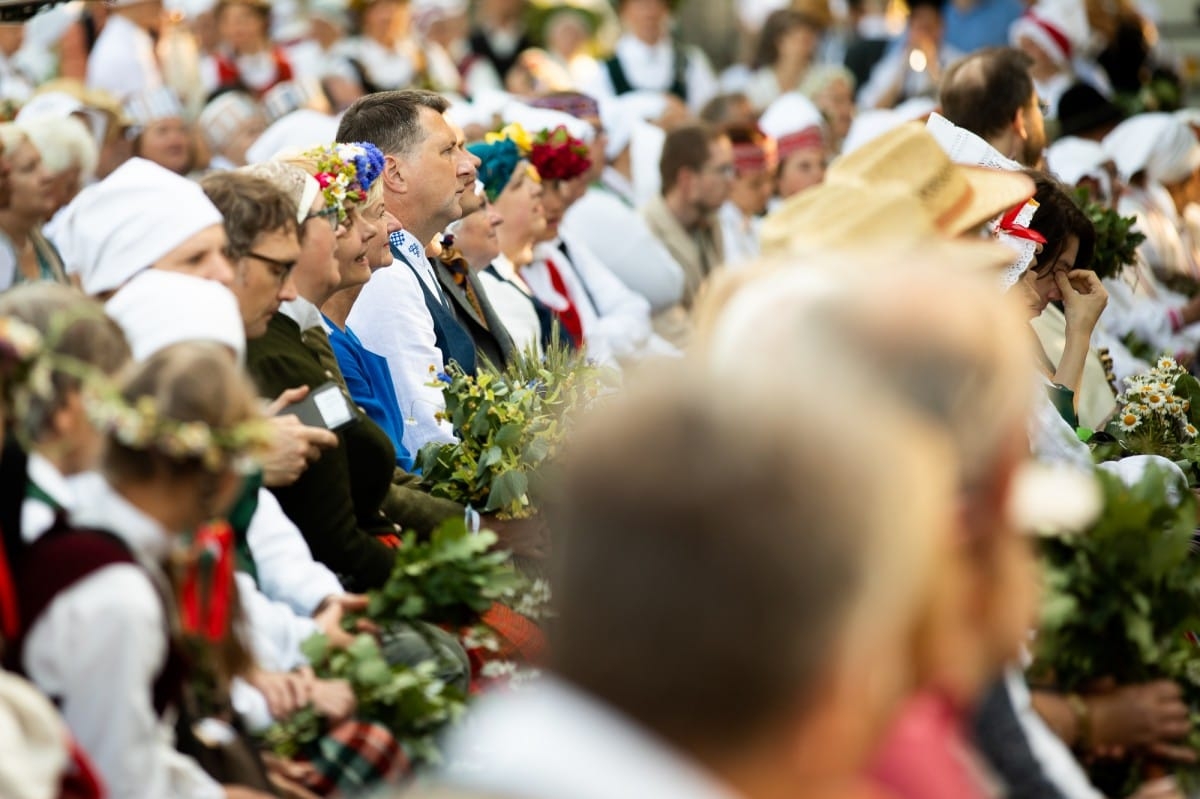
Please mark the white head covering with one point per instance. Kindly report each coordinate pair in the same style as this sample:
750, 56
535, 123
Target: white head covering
535, 120
793, 122
159, 308
1058, 27
1159, 144
964, 147
60, 105
153, 105
871, 124
623, 115
299, 130
225, 115
1072, 159
123, 224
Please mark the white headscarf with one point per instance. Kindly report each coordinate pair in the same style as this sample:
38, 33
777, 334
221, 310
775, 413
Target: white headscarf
123, 224
1159, 144
159, 308
299, 130
1071, 159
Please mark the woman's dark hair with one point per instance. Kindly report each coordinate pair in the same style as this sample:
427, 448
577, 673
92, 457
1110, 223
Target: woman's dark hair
779, 24
1058, 218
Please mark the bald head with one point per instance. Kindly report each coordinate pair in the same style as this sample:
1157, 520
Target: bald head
984, 91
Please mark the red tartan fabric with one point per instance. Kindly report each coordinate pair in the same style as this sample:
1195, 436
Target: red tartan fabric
353, 756
520, 639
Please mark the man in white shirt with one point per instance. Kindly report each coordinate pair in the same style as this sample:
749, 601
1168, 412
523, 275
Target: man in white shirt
402, 312
647, 58
123, 61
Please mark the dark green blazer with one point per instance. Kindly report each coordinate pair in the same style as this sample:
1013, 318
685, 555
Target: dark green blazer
336, 502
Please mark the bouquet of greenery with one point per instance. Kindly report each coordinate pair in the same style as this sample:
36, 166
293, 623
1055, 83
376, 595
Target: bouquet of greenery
1116, 238
450, 580
508, 423
1122, 598
411, 701
1156, 415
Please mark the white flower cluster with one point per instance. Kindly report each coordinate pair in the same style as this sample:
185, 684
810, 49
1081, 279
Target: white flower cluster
1150, 401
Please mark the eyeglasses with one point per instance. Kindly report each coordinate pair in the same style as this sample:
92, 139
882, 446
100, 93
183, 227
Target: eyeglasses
724, 171
330, 213
282, 268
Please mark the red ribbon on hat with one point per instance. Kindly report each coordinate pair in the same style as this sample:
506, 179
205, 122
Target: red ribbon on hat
1008, 224
811, 138
205, 596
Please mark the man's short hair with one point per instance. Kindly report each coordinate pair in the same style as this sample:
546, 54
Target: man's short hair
251, 206
706, 585
984, 91
390, 120
685, 148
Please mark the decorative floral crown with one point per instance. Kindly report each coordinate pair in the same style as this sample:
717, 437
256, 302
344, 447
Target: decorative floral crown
20, 346
346, 172
499, 153
559, 156
141, 426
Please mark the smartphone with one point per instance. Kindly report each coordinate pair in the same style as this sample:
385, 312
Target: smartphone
325, 406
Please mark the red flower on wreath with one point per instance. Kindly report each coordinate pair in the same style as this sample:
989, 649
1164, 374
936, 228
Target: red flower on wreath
556, 155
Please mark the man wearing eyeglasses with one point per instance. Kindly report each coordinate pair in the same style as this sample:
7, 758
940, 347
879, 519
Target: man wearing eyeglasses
264, 244
697, 172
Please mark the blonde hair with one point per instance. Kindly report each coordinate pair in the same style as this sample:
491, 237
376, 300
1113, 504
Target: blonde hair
63, 143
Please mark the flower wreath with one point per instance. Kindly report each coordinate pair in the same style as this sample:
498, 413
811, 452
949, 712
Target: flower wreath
20, 346
346, 172
140, 426
557, 155
499, 154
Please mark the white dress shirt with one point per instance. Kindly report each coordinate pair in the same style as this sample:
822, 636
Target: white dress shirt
610, 226
513, 304
551, 741
286, 569
123, 62
37, 517
390, 319
615, 320
99, 647
651, 67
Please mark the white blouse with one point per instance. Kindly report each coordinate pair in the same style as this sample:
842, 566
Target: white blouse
512, 304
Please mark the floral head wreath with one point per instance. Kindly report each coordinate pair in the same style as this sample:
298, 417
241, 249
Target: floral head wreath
557, 155
20, 346
346, 173
141, 426
499, 154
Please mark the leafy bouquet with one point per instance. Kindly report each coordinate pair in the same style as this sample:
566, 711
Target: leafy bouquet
508, 423
1122, 599
448, 580
1116, 238
1156, 415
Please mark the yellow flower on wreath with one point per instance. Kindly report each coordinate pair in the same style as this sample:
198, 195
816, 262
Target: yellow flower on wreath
515, 133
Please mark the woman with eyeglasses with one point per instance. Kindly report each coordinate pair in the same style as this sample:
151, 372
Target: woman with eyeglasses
344, 504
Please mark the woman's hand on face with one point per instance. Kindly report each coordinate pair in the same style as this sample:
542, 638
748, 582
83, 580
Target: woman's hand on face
1084, 297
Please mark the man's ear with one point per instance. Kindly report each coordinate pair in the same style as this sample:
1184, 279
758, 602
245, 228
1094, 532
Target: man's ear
1018, 124
394, 175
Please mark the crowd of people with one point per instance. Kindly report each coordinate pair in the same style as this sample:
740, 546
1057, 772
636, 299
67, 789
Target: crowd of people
858, 295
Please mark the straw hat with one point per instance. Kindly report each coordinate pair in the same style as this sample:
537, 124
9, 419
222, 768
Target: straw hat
956, 197
880, 221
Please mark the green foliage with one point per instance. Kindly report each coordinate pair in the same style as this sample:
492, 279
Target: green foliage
411, 701
509, 424
449, 579
1116, 239
1121, 598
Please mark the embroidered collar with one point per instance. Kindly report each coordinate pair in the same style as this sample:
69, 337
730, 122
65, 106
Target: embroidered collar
407, 245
